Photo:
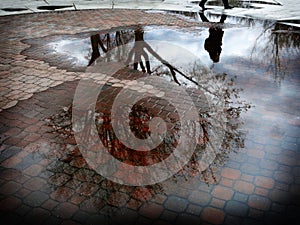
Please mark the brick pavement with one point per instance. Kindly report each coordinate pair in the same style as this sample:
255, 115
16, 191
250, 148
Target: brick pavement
45, 180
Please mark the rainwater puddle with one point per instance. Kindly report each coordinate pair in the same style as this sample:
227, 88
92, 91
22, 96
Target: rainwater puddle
261, 56
54, 7
238, 62
14, 9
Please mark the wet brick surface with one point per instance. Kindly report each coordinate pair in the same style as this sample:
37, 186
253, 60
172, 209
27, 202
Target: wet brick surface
260, 185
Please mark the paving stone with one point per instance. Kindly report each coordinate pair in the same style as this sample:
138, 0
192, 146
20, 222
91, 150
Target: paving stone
59, 179
226, 182
9, 188
261, 191
231, 173
36, 198
250, 168
244, 187
264, 182
279, 196
151, 210
65, 210
33, 170
169, 216
142, 193
217, 203
256, 214
128, 215
37, 216
11, 162
22, 210
186, 218
92, 205
213, 215
282, 186
35, 184
259, 202
257, 153
176, 204
232, 220
240, 197
143, 220
118, 199
49, 204
246, 177
200, 198
133, 204
62, 194
32, 76
9, 203
222, 192
9, 152
22, 193
96, 219
283, 177
236, 208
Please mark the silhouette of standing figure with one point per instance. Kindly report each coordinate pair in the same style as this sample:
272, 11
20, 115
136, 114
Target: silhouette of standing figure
225, 3
213, 43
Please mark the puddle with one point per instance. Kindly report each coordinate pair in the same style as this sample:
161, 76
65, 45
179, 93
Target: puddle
241, 4
241, 61
53, 7
261, 41
14, 9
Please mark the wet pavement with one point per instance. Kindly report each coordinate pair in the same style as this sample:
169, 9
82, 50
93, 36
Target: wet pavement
45, 177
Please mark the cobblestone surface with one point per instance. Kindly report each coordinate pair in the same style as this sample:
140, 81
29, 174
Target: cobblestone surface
260, 185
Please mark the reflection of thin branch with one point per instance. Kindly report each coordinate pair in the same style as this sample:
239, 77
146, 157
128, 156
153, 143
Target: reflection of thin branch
257, 39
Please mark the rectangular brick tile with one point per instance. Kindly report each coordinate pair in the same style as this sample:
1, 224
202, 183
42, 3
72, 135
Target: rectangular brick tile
226, 182
212, 215
261, 191
151, 210
264, 182
222, 192
256, 153
230, 173
244, 187
259, 202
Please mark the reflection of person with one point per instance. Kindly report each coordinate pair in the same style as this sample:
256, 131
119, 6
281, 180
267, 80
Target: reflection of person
213, 43
95, 41
225, 3
139, 45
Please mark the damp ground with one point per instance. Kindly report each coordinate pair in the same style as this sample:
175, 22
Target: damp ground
46, 179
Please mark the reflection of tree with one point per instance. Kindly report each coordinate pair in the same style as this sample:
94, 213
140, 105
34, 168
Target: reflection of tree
139, 51
282, 42
107, 42
222, 99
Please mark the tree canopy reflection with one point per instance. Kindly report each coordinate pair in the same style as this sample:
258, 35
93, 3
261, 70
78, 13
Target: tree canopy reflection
219, 89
